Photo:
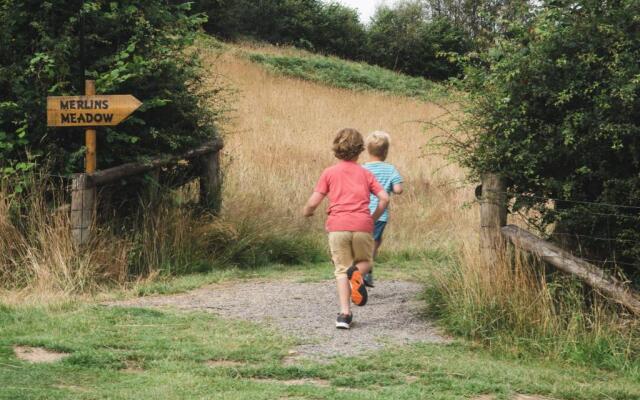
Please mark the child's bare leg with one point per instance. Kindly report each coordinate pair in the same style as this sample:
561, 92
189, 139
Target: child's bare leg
376, 246
364, 267
344, 295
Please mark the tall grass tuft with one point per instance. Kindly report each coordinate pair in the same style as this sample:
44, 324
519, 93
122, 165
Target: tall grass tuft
167, 237
36, 247
515, 307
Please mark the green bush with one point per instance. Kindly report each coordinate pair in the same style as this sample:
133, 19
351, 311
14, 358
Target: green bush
133, 47
556, 109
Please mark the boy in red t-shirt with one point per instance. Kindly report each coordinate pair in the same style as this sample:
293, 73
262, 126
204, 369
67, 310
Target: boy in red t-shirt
350, 223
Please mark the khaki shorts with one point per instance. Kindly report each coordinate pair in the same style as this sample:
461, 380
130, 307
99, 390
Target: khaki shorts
348, 248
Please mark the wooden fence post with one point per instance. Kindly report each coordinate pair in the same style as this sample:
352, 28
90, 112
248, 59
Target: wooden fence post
493, 216
211, 182
83, 208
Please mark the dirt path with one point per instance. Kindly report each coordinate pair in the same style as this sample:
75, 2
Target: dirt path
306, 312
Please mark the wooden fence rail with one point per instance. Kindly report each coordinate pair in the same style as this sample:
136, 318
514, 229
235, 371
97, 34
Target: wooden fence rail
495, 234
84, 193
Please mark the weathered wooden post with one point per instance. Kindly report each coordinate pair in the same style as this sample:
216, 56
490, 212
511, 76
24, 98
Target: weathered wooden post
83, 208
211, 181
90, 162
89, 111
493, 216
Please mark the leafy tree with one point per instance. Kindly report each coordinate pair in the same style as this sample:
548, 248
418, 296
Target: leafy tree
311, 24
558, 113
340, 32
402, 38
482, 19
135, 46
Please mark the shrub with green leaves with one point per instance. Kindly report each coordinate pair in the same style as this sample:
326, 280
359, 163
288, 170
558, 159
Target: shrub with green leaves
403, 39
310, 24
557, 112
136, 47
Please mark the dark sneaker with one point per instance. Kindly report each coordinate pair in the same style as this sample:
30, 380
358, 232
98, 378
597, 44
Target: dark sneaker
368, 279
344, 321
358, 289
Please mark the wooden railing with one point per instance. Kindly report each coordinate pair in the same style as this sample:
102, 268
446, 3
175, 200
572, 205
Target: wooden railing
495, 234
84, 186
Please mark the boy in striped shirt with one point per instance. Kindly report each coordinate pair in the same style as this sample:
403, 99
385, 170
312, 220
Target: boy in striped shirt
389, 178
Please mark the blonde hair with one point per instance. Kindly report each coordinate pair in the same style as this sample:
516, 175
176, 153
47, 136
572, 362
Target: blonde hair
347, 144
378, 144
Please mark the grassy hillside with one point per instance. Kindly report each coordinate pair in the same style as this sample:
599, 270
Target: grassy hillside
279, 139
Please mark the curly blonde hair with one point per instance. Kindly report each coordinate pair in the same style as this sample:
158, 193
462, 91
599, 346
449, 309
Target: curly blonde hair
378, 144
347, 144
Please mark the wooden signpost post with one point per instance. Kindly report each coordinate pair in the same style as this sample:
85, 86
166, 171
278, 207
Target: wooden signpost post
89, 111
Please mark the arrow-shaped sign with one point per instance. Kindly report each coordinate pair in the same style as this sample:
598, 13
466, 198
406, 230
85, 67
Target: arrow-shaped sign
99, 110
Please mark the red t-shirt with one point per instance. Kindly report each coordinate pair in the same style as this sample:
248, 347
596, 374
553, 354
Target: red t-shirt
348, 186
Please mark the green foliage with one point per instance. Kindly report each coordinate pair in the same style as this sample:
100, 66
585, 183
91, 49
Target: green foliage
403, 39
557, 111
481, 19
135, 47
310, 24
350, 75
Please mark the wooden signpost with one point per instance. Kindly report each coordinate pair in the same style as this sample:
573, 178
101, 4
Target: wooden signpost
90, 111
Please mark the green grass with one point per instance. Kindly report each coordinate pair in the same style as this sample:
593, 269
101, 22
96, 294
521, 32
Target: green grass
123, 353
513, 314
336, 72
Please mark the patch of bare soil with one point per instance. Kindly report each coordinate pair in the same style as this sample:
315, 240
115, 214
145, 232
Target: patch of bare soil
38, 354
307, 311
133, 367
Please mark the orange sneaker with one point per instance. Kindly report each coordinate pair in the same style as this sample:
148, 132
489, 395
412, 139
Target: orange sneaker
358, 288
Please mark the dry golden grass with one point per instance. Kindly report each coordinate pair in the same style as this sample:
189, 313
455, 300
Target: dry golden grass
278, 142
38, 258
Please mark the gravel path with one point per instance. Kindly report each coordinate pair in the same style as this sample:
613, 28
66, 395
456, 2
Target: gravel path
306, 311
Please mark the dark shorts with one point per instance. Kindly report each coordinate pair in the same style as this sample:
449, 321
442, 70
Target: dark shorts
378, 229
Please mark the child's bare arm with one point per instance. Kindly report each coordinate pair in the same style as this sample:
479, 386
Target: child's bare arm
314, 201
383, 202
397, 188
